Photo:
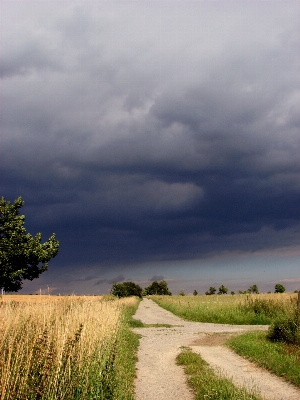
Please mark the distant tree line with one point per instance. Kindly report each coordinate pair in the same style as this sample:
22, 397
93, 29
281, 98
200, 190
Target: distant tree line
279, 288
127, 289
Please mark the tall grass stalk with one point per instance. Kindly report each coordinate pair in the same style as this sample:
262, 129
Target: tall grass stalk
63, 348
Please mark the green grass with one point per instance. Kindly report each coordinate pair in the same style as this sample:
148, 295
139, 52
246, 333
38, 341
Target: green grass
137, 323
286, 329
124, 364
280, 358
226, 309
206, 384
126, 356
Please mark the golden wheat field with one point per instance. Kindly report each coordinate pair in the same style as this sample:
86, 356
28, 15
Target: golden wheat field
56, 347
26, 298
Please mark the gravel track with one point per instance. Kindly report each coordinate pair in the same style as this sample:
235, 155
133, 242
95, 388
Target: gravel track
158, 376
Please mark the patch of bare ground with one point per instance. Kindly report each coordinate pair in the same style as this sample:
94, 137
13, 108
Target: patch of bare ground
158, 376
212, 339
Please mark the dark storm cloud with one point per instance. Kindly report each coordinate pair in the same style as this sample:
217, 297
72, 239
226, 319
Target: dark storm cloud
141, 131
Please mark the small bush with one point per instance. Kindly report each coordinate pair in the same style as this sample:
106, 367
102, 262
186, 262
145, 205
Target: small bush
286, 329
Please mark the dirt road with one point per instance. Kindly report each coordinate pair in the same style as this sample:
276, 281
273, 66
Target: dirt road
158, 376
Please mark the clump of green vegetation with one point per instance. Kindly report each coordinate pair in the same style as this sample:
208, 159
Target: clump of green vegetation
135, 323
206, 383
278, 357
286, 329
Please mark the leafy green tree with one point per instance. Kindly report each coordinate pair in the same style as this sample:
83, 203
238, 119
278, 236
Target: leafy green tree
181, 293
126, 289
22, 256
212, 290
279, 288
223, 290
195, 293
253, 289
158, 288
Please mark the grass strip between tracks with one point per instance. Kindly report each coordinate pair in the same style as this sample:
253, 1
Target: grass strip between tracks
207, 384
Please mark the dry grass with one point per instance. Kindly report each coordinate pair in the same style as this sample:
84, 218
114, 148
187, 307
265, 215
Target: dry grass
58, 347
26, 298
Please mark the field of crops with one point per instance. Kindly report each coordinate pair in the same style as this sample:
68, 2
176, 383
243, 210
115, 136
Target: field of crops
256, 309
65, 348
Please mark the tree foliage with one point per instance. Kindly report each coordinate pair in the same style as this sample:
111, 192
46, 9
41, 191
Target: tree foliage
279, 288
126, 289
223, 290
158, 288
22, 256
212, 290
253, 289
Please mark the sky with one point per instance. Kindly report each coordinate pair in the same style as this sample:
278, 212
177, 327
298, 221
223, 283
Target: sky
157, 139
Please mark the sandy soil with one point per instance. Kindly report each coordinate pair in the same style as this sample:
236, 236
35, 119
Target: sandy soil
158, 376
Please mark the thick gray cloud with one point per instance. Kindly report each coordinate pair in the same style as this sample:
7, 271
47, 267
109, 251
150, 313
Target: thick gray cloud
143, 131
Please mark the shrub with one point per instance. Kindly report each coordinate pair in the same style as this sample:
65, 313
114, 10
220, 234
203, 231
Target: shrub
286, 329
